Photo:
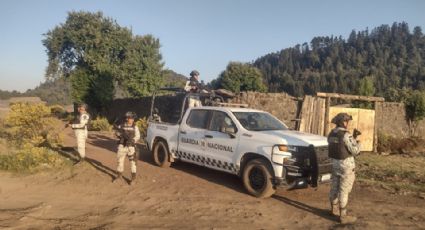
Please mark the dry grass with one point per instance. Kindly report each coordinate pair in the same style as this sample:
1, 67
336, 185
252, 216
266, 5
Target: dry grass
4, 108
400, 173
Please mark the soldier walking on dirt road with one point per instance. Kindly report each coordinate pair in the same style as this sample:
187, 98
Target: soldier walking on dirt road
79, 125
128, 134
342, 149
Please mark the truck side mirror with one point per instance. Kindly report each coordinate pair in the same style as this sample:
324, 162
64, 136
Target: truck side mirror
230, 131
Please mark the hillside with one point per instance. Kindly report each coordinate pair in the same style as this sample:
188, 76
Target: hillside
389, 57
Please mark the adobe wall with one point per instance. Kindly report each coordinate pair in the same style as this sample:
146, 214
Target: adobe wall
391, 120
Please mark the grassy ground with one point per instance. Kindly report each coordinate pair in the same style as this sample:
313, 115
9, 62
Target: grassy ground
400, 173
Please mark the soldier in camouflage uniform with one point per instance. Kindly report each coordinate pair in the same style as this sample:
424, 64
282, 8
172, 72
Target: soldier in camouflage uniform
342, 149
193, 86
128, 134
80, 129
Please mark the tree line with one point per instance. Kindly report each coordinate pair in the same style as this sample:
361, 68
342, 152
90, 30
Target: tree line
387, 59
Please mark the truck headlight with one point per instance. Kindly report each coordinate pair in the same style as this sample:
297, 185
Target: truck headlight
280, 154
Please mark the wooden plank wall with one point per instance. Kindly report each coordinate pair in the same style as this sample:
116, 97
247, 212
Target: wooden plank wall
363, 120
312, 117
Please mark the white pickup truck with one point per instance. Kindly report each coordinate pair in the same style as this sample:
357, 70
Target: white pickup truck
249, 143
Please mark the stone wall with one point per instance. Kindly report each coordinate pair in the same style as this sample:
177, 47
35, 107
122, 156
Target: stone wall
281, 105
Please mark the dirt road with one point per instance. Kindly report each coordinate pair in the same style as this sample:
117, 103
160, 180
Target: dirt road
181, 197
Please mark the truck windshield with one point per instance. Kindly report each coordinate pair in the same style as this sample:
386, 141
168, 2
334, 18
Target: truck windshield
256, 121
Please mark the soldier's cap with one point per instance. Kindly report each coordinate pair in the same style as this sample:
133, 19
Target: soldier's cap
130, 114
194, 73
341, 117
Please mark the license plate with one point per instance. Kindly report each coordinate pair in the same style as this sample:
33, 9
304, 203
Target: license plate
325, 177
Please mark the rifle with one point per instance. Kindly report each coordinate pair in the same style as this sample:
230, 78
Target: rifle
75, 119
356, 133
124, 138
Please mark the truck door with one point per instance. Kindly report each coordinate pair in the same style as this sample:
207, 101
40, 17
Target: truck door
221, 142
191, 146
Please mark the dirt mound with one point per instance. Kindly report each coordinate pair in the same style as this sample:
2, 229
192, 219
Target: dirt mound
391, 145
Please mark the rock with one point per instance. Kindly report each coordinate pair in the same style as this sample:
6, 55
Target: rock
385, 153
414, 218
422, 195
385, 187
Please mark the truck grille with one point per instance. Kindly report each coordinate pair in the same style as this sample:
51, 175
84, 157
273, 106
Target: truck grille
323, 160
313, 162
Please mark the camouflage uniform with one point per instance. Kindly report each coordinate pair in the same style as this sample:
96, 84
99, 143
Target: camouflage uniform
342, 149
129, 135
80, 130
194, 101
343, 179
193, 86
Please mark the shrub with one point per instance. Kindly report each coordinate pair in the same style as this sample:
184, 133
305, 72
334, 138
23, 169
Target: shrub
415, 110
32, 124
100, 124
58, 111
142, 124
68, 117
31, 158
3, 133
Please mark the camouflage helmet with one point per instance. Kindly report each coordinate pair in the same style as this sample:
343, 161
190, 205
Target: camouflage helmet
130, 114
194, 73
340, 118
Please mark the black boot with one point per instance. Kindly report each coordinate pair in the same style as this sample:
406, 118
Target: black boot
80, 160
133, 178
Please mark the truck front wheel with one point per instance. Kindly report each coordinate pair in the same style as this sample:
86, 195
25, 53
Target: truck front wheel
161, 155
257, 178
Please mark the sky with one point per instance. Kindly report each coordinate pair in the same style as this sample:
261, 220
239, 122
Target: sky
194, 34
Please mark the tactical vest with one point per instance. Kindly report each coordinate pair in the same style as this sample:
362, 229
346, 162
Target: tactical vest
195, 85
127, 135
337, 148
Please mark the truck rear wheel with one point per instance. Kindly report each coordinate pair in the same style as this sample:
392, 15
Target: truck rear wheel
257, 178
161, 155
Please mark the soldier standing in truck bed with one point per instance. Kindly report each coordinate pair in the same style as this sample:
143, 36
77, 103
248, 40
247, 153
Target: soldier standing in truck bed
193, 86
